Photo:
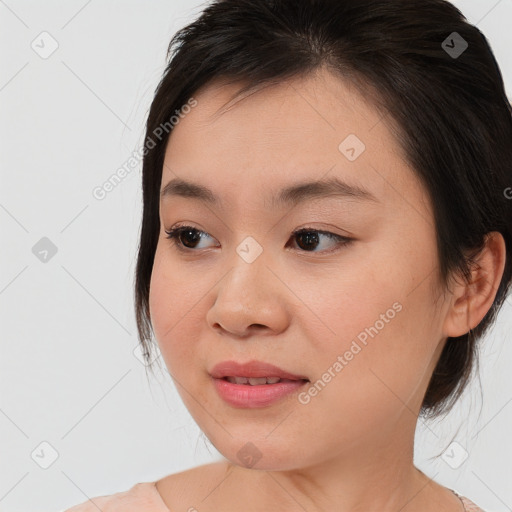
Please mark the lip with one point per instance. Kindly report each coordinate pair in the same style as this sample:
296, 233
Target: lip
251, 369
257, 396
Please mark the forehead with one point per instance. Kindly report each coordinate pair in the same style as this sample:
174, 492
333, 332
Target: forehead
248, 149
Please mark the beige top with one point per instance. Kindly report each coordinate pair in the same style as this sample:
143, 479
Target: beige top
144, 497
469, 506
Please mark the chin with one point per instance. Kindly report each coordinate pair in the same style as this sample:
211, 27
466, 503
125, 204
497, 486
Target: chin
260, 454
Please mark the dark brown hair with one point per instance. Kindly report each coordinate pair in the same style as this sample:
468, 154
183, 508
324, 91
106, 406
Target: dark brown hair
449, 112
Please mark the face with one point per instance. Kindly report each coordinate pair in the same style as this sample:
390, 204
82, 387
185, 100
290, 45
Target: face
349, 303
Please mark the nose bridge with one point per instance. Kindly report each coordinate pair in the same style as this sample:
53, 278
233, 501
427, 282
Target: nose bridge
247, 295
247, 276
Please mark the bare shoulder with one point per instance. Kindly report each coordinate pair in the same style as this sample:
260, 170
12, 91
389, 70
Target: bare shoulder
141, 497
180, 491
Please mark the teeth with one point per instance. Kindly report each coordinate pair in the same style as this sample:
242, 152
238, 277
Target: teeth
257, 381
238, 380
253, 381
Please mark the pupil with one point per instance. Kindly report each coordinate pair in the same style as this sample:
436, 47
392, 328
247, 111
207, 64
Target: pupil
195, 237
310, 236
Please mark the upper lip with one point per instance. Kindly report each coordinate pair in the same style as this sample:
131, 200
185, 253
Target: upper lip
251, 369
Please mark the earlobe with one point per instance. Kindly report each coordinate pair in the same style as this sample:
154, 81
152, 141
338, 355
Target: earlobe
472, 301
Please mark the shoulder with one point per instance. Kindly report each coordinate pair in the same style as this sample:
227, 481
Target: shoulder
469, 506
142, 497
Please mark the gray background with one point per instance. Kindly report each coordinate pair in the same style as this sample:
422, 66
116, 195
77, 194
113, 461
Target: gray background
70, 377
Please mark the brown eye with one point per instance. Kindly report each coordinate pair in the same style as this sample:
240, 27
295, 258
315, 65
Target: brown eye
186, 237
308, 239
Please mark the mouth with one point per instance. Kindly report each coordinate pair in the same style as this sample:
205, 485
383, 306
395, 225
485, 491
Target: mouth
253, 373
254, 384
259, 381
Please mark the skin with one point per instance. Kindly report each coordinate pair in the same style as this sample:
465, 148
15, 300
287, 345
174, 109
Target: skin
300, 310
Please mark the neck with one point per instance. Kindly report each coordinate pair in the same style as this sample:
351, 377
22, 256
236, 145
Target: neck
379, 476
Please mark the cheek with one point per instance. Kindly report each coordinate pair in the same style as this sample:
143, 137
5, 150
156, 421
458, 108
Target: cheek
165, 309
381, 321
176, 310
159, 296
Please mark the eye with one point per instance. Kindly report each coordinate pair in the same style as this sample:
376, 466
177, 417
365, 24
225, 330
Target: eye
186, 238
190, 234
309, 237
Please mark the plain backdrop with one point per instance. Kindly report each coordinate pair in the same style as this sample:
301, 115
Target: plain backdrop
79, 417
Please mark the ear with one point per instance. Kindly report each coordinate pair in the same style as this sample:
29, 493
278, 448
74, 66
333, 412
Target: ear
471, 302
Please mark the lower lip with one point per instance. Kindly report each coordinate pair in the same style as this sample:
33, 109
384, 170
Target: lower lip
247, 396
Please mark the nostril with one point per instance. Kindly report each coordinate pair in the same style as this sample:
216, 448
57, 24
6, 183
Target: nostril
258, 326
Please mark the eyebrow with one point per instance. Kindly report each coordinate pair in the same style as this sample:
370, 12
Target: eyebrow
288, 196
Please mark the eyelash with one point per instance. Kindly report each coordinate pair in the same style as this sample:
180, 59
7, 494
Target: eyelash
343, 241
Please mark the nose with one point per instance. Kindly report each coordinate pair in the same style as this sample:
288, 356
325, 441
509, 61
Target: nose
249, 299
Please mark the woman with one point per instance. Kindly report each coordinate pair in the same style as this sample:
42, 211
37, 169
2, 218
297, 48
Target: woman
326, 236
